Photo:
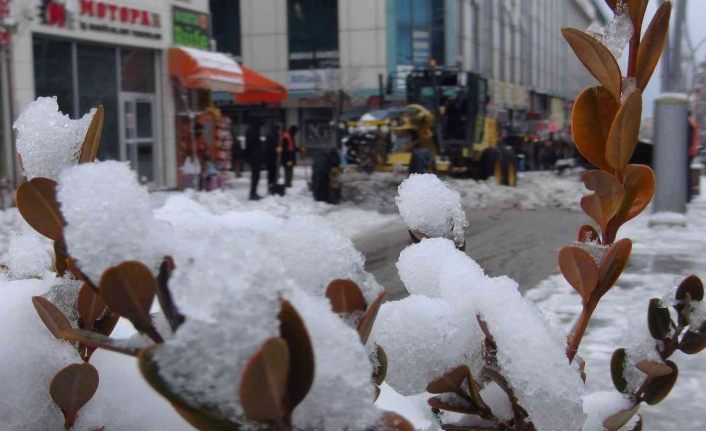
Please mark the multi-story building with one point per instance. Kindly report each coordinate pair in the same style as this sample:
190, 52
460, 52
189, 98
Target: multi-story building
330, 55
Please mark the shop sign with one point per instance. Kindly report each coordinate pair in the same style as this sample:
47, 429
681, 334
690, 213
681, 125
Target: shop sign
103, 17
191, 28
318, 79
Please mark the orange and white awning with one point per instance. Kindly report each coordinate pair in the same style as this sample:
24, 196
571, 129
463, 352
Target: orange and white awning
260, 89
195, 68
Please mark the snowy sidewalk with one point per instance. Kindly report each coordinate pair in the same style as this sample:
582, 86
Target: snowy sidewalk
661, 258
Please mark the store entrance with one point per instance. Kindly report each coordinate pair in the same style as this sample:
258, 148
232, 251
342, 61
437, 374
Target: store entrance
137, 137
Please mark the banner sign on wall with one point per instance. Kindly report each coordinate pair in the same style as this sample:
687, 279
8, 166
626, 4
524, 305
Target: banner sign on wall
191, 28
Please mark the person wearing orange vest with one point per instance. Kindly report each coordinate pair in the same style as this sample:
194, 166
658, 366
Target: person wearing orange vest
289, 154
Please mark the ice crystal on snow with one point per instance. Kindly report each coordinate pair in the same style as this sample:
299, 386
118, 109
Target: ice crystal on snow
617, 33
47, 140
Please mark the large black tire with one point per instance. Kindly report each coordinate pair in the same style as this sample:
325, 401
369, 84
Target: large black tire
488, 158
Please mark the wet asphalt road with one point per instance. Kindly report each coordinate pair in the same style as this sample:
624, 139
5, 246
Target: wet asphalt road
520, 244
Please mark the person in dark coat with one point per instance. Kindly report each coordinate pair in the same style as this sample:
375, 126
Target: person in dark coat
272, 151
254, 153
289, 154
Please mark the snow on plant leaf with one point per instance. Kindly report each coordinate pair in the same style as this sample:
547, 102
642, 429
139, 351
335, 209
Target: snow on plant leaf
28, 255
431, 207
47, 140
423, 337
420, 265
600, 405
342, 395
104, 200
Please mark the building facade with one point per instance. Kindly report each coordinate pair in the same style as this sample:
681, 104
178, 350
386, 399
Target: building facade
331, 55
90, 52
334, 54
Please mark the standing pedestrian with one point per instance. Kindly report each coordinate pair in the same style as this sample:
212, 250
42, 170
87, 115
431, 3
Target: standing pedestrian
289, 154
254, 155
236, 152
273, 151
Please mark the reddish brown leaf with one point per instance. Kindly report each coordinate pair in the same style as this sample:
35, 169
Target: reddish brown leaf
611, 266
380, 371
591, 118
597, 59
129, 289
624, 132
90, 306
659, 387
96, 340
391, 421
164, 295
61, 265
588, 233
366, 322
616, 421
693, 342
301, 355
608, 194
202, 417
345, 296
264, 382
639, 187
691, 285
653, 368
91, 143
72, 387
450, 381
652, 45
457, 406
579, 269
637, 9
36, 202
52, 317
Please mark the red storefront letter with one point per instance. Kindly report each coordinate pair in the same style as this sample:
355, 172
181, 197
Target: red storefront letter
112, 9
56, 14
124, 14
101, 10
87, 7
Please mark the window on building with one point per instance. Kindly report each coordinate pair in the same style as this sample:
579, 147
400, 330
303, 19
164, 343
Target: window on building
225, 19
97, 84
420, 32
313, 34
53, 72
137, 70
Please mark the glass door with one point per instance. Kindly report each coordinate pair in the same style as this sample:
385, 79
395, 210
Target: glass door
138, 133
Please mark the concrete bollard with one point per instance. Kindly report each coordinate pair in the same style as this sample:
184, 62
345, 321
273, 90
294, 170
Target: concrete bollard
670, 153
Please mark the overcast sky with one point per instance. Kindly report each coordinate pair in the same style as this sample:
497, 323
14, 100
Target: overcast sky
696, 22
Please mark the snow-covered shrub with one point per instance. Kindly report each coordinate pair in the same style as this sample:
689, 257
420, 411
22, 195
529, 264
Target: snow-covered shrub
511, 372
248, 333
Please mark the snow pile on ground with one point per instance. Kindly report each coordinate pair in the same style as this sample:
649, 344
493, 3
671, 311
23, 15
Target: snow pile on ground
430, 206
661, 258
534, 190
47, 140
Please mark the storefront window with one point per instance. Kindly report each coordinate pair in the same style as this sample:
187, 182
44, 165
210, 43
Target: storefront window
53, 72
85, 75
137, 70
97, 84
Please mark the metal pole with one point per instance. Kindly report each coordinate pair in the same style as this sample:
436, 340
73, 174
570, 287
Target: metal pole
677, 77
670, 152
8, 169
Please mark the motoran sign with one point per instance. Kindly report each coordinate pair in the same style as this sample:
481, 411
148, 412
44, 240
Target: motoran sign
101, 16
